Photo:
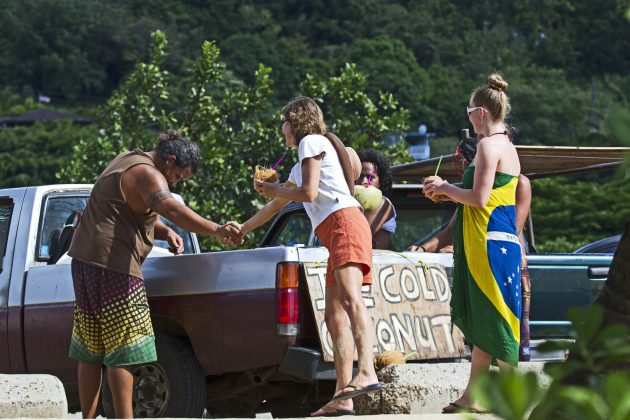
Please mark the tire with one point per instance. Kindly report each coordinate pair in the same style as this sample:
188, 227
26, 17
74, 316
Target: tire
174, 386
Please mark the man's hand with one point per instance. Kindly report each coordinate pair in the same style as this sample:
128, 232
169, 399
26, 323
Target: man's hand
231, 233
267, 189
175, 242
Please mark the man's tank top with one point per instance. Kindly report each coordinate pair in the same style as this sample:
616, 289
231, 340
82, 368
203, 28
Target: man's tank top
111, 235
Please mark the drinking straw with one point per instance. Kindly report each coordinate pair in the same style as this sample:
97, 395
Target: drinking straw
370, 176
275, 165
438, 166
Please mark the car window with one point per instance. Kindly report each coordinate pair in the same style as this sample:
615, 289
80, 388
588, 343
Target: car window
603, 246
6, 208
417, 226
57, 209
188, 246
295, 229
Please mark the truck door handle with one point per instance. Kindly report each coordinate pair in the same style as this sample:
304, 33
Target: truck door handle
597, 272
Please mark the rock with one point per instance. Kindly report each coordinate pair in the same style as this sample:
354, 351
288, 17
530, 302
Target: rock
33, 396
417, 388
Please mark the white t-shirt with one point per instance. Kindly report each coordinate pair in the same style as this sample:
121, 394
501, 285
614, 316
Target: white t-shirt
333, 190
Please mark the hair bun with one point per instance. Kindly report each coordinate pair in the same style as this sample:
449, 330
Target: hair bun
496, 81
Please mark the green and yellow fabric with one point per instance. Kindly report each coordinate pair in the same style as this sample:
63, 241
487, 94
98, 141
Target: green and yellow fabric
486, 300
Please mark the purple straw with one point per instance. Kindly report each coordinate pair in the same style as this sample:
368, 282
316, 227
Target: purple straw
275, 165
370, 176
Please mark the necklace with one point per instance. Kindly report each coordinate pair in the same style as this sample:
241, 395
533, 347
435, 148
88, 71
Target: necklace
499, 132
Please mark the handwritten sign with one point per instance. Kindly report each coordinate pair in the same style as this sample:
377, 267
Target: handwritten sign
409, 306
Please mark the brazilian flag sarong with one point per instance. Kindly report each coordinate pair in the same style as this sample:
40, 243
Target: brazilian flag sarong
486, 299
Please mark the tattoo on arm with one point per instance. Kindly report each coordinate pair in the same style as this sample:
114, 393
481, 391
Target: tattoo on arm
155, 198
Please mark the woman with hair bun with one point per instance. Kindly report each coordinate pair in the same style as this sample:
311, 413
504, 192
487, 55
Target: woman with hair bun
486, 300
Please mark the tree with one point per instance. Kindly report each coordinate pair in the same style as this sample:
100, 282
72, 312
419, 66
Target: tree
69, 48
31, 155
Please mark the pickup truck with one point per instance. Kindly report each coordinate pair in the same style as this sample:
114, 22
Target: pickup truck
236, 331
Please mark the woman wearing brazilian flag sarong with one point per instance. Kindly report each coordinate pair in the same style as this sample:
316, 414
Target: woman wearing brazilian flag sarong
486, 300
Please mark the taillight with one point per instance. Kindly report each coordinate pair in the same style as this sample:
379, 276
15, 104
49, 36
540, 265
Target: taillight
287, 298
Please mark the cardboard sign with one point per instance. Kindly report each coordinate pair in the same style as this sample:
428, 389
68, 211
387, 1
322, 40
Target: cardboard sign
409, 307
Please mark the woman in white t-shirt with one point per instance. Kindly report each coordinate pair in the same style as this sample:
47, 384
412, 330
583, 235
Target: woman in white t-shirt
318, 181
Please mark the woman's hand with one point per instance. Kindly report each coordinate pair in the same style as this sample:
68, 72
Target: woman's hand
267, 189
434, 189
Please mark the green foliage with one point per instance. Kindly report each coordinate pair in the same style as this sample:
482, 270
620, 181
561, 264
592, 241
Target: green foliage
589, 385
234, 123
358, 120
389, 63
68, 48
568, 215
31, 155
510, 395
126, 119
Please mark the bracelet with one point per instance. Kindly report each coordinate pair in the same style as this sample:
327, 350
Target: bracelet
423, 248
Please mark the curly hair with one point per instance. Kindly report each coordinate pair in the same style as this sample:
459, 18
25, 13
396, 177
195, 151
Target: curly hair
305, 117
382, 168
493, 98
173, 142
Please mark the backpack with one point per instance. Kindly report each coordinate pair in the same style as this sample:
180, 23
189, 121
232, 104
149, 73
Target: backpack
344, 158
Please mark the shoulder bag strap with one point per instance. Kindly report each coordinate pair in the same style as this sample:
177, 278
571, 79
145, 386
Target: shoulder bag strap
378, 217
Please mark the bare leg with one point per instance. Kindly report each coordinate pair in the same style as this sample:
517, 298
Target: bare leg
480, 363
338, 326
90, 377
121, 385
349, 280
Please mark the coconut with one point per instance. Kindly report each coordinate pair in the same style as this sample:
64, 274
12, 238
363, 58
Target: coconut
265, 174
389, 357
437, 197
369, 197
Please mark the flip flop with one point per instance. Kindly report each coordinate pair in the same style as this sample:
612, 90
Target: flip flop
358, 390
458, 408
330, 411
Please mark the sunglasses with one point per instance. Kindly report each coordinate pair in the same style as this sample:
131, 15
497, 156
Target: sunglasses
470, 110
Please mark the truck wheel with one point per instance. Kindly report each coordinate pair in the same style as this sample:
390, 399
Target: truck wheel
171, 387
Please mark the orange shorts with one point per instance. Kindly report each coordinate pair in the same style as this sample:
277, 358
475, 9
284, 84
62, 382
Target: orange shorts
347, 236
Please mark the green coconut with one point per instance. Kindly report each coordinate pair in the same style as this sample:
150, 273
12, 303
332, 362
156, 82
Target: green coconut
369, 197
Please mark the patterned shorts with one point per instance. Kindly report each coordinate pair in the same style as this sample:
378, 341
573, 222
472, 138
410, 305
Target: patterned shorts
112, 323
